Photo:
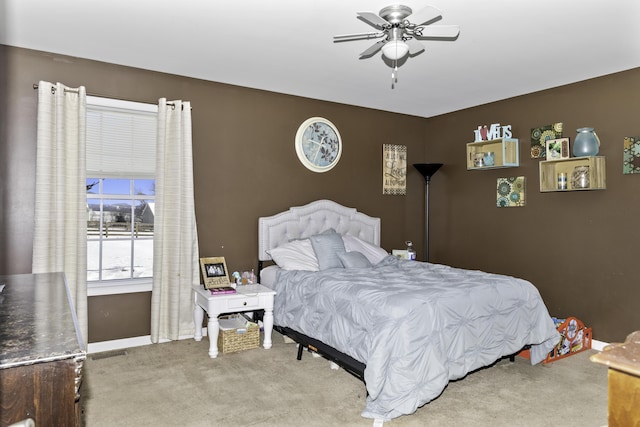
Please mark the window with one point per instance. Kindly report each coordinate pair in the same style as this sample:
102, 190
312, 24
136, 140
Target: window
121, 141
119, 228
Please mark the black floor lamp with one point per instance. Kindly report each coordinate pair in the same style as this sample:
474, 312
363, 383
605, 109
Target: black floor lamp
427, 170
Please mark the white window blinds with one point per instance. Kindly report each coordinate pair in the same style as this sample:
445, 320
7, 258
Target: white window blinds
121, 138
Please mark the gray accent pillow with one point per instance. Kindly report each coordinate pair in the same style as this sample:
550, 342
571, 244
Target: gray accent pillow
327, 245
354, 259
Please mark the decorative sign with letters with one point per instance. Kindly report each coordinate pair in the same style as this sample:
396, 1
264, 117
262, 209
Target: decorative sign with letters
495, 131
394, 169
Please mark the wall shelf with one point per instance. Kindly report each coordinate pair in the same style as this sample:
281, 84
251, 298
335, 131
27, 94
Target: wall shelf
506, 152
549, 170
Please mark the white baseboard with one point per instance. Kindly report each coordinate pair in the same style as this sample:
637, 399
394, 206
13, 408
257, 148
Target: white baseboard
121, 344
98, 347
598, 345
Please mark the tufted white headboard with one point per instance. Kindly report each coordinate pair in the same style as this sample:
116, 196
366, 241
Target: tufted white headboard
300, 222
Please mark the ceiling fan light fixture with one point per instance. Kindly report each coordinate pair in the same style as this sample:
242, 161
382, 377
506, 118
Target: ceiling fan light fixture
395, 49
393, 27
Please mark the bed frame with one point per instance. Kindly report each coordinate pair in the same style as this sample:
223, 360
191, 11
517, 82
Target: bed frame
301, 222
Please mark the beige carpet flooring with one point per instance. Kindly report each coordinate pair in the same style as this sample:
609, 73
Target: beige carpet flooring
177, 384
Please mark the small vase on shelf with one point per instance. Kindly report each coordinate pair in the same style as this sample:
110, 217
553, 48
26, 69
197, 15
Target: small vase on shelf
586, 143
580, 177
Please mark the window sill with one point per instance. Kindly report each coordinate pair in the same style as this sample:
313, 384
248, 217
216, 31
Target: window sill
119, 287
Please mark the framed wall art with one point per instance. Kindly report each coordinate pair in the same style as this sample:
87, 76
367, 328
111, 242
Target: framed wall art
557, 148
540, 135
214, 272
394, 169
511, 192
631, 155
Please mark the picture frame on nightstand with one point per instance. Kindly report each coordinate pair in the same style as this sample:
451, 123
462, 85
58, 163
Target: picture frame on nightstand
400, 253
214, 272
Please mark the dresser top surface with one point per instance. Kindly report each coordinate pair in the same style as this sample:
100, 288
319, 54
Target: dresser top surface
37, 320
623, 357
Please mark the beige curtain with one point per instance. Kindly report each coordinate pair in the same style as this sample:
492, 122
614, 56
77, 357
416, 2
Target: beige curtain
60, 234
175, 246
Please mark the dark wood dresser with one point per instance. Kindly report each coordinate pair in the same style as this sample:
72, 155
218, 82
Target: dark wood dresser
41, 351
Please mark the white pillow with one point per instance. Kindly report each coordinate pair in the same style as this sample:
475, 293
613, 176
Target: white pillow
295, 255
374, 253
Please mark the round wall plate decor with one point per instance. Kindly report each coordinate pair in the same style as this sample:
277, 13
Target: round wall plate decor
318, 144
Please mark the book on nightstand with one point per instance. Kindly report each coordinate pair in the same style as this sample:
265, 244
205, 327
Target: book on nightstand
222, 291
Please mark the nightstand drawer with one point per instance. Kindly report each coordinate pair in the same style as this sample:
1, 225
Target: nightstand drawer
245, 303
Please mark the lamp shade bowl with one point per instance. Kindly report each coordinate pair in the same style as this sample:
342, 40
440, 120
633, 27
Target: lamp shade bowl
427, 169
395, 49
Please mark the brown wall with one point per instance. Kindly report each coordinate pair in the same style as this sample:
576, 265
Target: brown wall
579, 248
245, 164
576, 247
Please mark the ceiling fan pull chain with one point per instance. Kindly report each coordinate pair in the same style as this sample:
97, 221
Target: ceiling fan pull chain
394, 75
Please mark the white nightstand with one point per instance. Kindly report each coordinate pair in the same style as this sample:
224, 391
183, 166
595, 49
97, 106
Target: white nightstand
247, 298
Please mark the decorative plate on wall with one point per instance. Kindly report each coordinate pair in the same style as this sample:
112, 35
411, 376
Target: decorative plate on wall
318, 144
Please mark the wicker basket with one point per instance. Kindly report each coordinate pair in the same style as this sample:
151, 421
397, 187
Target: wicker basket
239, 338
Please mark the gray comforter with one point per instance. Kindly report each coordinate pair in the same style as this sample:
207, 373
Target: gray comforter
415, 325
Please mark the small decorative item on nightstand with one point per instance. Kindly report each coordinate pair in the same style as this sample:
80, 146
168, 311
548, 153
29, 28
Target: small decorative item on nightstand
400, 253
225, 290
411, 253
236, 278
248, 277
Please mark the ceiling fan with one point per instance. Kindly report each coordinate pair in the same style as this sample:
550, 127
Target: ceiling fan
400, 34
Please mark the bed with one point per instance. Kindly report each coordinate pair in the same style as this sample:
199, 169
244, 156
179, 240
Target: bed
406, 328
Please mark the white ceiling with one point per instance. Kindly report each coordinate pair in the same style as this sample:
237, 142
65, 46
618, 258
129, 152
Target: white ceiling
505, 48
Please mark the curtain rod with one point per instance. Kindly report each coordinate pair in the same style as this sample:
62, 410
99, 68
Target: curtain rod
53, 89
72, 90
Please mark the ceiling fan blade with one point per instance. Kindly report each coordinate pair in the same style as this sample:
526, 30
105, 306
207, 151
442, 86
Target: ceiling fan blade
359, 36
372, 50
425, 15
437, 31
415, 47
373, 19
